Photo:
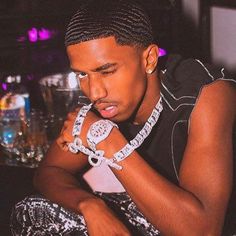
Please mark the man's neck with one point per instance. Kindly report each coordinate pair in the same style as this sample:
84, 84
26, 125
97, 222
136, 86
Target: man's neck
149, 101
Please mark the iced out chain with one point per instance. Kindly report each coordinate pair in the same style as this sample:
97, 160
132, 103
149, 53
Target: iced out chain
142, 134
125, 151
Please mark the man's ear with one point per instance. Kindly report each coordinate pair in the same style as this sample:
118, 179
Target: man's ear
151, 58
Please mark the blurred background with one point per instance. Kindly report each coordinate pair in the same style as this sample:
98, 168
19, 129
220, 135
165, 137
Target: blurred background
33, 58
32, 35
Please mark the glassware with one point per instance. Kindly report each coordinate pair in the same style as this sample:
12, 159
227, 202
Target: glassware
61, 94
12, 114
34, 144
8, 132
24, 142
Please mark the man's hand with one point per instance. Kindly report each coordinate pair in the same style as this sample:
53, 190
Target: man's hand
100, 220
66, 137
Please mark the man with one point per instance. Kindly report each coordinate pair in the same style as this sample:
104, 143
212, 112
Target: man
174, 176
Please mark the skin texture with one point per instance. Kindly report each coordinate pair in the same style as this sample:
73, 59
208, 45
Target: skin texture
197, 206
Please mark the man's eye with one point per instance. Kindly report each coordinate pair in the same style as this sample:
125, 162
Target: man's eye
108, 72
81, 75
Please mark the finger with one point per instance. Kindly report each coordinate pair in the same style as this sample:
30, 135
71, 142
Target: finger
62, 144
66, 135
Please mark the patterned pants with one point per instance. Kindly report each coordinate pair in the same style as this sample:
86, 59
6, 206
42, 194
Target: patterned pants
36, 216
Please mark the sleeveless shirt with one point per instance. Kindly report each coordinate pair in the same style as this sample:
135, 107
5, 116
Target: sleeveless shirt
181, 84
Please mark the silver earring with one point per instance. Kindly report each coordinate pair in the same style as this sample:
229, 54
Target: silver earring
149, 71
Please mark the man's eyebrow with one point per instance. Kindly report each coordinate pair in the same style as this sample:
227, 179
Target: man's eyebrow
98, 69
104, 67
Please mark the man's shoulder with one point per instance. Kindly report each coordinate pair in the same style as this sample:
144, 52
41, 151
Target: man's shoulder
186, 77
191, 69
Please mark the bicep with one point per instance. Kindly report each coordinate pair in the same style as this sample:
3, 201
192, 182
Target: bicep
67, 160
206, 169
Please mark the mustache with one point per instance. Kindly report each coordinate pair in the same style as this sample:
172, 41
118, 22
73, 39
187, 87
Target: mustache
103, 101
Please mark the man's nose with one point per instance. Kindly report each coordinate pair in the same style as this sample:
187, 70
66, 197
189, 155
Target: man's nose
97, 89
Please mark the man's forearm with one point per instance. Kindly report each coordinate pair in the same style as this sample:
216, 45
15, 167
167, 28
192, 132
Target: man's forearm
61, 187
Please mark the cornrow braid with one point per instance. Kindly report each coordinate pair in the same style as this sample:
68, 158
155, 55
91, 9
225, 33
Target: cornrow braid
126, 20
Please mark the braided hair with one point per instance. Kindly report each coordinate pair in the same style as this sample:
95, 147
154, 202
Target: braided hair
126, 20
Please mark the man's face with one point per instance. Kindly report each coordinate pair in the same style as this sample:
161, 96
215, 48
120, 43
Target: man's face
112, 76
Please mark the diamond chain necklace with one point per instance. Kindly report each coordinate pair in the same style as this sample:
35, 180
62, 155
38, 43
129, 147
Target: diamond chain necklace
97, 155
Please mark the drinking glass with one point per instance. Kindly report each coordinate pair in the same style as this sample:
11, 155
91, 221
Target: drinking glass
34, 145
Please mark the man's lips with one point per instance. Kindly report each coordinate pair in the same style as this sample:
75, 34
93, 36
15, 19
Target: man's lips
107, 110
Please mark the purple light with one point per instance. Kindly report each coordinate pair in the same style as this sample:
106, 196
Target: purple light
162, 52
44, 34
4, 86
41, 34
33, 35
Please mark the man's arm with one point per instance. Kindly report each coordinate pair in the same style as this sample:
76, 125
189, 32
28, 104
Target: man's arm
198, 205
55, 180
